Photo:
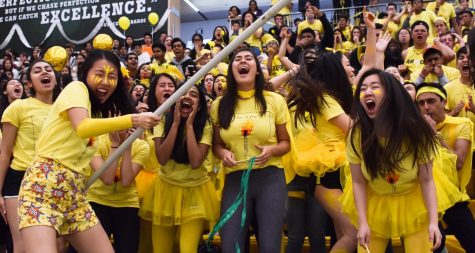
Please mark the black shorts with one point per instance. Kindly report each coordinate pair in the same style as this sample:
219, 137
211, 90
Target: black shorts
11, 186
330, 180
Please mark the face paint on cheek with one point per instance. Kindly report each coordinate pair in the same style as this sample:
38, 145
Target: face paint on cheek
377, 92
97, 79
362, 94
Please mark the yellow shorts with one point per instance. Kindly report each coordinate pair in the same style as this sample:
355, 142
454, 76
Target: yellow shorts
53, 195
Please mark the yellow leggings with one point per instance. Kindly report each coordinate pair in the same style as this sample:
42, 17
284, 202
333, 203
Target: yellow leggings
418, 242
190, 235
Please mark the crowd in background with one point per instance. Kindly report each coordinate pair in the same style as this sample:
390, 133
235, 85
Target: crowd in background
311, 69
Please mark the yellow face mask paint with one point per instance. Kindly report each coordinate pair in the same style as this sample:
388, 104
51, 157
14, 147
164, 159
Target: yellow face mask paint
377, 92
107, 70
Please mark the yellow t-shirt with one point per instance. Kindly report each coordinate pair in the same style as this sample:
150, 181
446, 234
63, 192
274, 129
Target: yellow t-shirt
450, 73
392, 27
452, 129
414, 60
253, 40
260, 129
456, 92
401, 22
151, 164
428, 17
277, 67
346, 31
58, 139
453, 63
28, 116
182, 174
446, 11
169, 56
399, 183
116, 195
316, 26
284, 11
345, 47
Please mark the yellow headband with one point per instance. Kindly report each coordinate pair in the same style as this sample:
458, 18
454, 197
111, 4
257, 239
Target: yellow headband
428, 89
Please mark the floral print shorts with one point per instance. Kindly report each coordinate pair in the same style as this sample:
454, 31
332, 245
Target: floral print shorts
53, 195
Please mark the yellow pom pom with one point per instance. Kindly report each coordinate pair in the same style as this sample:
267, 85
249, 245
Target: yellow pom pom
102, 41
57, 57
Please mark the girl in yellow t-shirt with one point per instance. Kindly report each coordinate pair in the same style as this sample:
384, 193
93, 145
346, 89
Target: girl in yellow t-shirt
22, 122
390, 150
254, 40
325, 98
184, 198
52, 197
250, 122
114, 197
162, 87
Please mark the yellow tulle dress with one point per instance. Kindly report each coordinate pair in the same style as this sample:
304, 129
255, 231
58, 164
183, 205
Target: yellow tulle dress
146, 177
317, 150
395, 204
180, 194
311, 155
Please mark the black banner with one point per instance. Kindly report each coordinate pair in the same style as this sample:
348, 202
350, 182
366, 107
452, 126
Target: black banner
26, 23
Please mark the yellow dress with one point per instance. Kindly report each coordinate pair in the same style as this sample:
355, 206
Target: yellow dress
146, 177
317, 150
180, 194
395, 205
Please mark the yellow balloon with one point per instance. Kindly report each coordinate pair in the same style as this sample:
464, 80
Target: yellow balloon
57, 57
153, 18
102, 41
124, 23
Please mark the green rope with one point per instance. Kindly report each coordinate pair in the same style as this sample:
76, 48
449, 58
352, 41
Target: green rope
240, 199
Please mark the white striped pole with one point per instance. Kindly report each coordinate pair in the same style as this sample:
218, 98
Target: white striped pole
186, 86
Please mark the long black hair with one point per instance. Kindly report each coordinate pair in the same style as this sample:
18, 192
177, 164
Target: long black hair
471, 46
406, 131
57, 87
119, 101
180, 150
229, 100
319, 74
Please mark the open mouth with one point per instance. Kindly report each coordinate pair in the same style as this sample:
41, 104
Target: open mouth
45, 80
166, 95
101, 92
186, 105
370, 104
17, 91
220, 88
243, 69
465, 68
419, 37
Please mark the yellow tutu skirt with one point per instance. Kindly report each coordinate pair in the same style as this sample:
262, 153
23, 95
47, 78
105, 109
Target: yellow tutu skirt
169, 205
144, 182
310, 155
400, 214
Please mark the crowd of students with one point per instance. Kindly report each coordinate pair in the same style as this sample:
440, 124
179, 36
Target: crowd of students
362, 132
